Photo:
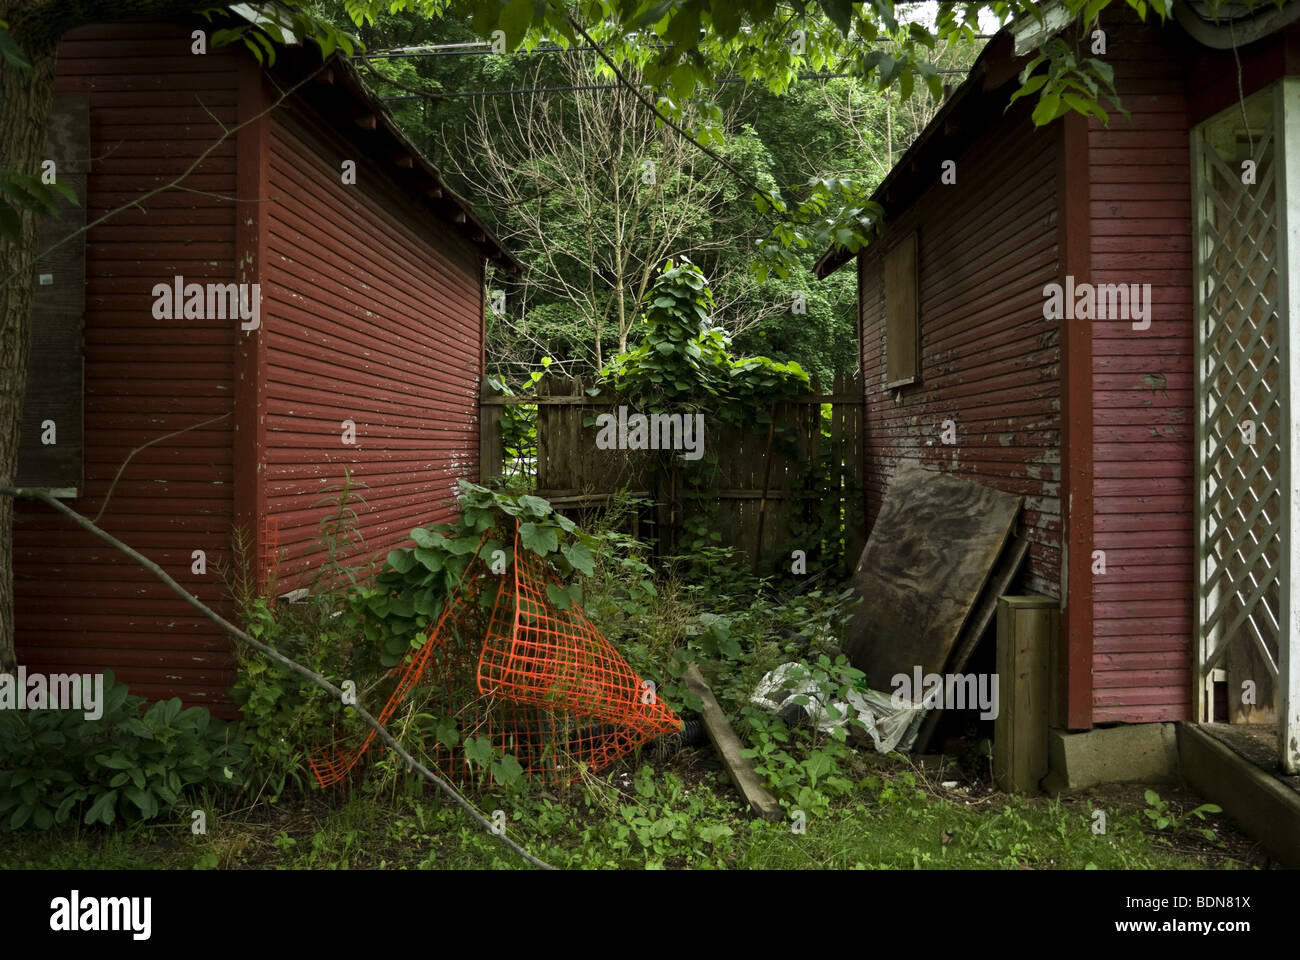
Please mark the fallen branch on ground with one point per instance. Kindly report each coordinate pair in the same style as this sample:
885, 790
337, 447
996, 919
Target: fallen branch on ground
290, 665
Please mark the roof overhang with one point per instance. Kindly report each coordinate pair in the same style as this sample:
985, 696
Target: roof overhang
408, 166
1007, 53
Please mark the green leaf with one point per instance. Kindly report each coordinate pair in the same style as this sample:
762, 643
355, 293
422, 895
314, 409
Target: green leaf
102, 810
117, 762
840, 13
507, 770
447, 733
144, 800
1032, 85
401, 560
714, 833
515, 20
539, 539
534, 506
1045, 110
426, 538
431, 560
726, 18
11, 54
478, 750
580, 558
558, 596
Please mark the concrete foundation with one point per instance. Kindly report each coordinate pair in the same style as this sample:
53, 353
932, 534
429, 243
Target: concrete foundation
1133, 753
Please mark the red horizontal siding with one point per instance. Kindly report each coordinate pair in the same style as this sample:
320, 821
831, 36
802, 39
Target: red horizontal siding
373, 314
79, 604
1142, 389
989, 361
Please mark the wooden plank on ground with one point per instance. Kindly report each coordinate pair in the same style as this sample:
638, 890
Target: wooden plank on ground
1009, 564
725, 741
929, 555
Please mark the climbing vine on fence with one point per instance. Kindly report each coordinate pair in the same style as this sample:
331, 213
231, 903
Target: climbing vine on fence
684, 359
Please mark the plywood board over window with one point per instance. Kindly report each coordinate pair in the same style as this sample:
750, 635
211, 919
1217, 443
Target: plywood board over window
902, 318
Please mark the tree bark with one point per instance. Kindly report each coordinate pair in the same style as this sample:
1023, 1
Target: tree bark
25, 100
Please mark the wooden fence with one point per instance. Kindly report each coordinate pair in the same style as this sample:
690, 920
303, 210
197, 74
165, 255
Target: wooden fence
794, 484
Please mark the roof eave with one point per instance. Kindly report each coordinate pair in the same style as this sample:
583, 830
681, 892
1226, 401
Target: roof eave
981, 79
423, 176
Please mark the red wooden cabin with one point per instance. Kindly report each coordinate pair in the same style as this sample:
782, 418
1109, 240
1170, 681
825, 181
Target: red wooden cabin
370, 329
1125, 435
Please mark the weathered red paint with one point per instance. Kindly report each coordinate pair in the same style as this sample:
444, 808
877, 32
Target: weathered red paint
1123, 211
1140, 221
989, 360
371, 311
79, 605
1074, 661
374, 315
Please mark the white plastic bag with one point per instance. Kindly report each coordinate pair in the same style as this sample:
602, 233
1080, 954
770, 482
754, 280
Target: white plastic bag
890, 727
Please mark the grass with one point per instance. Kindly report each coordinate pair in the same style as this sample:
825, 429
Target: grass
848, 808
635, 817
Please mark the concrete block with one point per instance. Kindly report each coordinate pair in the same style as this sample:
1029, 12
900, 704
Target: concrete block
1131, 753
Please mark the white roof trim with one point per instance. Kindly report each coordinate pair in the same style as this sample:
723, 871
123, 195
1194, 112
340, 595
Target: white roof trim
1029, 31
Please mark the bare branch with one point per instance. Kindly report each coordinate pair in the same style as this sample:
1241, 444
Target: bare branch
41, 496
176, 433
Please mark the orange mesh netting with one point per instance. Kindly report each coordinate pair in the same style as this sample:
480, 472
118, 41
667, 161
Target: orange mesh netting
539, 682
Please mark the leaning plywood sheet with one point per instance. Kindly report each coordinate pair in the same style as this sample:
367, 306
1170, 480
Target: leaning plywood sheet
930, 552
999, 583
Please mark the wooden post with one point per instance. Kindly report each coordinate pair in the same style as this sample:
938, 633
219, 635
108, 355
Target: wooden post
1027, 629
490, 453
725, 741
1075, 258
767, 479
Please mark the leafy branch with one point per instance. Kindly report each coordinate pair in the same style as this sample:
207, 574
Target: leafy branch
292, 666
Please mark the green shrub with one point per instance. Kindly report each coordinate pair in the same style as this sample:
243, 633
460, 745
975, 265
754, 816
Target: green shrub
286, 718
131, 763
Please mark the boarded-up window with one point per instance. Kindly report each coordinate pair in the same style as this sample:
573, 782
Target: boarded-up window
902, 327
51, 446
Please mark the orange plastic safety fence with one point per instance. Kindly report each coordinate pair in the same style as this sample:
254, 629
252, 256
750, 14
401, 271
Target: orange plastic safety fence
270, 557
334, 766
540, 683
536, 654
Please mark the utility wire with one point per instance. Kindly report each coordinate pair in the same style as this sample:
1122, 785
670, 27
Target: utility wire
483, 48
517, 91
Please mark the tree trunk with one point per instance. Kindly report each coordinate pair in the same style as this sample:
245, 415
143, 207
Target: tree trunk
25, 100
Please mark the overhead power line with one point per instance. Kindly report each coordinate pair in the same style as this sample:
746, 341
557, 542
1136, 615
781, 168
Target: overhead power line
519, 91
481, 48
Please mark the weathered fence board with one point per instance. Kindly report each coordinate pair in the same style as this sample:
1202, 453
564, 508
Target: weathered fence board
798, 485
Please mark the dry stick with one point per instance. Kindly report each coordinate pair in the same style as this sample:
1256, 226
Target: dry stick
290, 665
138, 201
112, 486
